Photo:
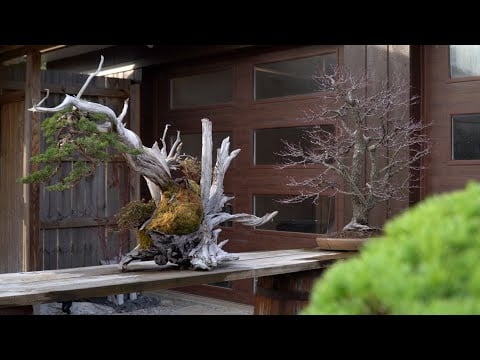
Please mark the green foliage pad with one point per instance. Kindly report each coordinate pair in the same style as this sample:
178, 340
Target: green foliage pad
426, 263
72, 135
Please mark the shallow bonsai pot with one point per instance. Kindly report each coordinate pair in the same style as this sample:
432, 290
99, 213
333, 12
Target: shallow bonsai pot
351, 244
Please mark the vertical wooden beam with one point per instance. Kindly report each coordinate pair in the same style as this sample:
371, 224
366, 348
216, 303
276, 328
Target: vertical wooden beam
135, 127
31, 147
135, 102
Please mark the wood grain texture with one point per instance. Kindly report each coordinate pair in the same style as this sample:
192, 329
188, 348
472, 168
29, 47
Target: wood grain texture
30, 288
32, 148
443, 97
74, 224
285, 294
11, 193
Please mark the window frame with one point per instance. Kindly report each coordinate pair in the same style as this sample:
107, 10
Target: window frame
275, 166
257, 231
451, 160
209, 70
288, 57
457, 79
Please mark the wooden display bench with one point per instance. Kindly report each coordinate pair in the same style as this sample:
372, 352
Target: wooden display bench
285, 278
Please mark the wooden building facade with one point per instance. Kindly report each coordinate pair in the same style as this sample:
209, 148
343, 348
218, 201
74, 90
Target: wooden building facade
256, 95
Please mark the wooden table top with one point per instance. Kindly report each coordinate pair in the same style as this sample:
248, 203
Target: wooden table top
36, 287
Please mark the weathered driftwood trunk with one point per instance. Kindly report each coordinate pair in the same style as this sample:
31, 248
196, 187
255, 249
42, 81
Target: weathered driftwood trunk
197, 249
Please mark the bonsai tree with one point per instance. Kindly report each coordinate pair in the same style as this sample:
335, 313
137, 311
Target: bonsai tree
179, 226
426, 263
374, 153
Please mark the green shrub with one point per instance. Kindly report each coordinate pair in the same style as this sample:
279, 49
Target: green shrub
428, 262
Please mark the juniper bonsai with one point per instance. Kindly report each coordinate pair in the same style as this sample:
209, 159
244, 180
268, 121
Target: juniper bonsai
74, 135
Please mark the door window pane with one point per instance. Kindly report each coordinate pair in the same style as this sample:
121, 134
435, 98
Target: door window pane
464, 60
466, 137
291, 77
202, 89
305, 217
268, 143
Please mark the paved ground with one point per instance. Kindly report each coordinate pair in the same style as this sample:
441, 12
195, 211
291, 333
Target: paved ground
166, 302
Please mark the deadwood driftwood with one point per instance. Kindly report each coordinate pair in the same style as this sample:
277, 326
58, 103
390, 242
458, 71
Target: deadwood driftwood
196, 250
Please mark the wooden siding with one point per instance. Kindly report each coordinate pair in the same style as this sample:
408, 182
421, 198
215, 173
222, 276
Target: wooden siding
444, 97
12, 229
77, 226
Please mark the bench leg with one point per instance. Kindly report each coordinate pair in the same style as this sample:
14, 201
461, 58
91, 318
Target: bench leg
17, 310
285, 294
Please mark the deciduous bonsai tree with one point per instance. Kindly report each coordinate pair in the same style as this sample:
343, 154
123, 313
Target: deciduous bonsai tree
426, 263
375, 151
179, 227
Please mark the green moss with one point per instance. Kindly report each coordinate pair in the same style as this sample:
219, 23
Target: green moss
426, 263
180, 212
144, 241
192, 168
134, 214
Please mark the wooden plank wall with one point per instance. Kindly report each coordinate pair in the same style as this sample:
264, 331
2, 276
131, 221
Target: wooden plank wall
12, 230
77, 226
443, 97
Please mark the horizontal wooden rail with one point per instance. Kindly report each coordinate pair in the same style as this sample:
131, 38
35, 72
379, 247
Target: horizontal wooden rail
77, 223
67, 89
10, 97
28, 288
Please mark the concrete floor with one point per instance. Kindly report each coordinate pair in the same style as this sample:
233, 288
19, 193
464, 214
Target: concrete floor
169, 303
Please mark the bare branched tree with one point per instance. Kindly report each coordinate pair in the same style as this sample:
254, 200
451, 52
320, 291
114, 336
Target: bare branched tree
374, 153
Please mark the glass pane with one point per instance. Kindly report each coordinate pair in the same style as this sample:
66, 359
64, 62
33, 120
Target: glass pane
291, 77
268, 142
192, 143
464, 60
466, 137
202, 89
305, 217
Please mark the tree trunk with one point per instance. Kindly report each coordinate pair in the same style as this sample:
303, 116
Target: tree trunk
359, 221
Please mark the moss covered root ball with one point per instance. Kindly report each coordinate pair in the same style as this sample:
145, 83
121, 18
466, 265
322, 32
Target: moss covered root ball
428, 262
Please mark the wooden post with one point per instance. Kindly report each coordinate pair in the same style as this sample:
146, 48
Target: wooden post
135, 127
285, 294
31, 148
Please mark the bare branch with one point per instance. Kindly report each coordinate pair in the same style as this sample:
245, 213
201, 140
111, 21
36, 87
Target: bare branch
373, 132
80, 93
